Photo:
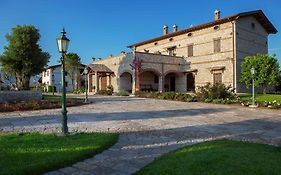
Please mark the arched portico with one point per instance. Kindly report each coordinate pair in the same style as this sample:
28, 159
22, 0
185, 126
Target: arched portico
126, 82
149, 80
174, 81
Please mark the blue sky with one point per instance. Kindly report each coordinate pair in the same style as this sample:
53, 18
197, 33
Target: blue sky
98, 28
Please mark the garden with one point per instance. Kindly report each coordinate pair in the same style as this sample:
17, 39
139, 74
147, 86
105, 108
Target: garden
48, 102
218, 157
217, 94
33, 153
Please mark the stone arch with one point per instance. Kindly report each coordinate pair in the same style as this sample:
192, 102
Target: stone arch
126, 81
151, 70
126, 70
173, 81
149, 80
176, 72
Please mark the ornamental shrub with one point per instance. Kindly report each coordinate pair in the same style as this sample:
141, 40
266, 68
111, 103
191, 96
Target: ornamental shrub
215, 91
122, 93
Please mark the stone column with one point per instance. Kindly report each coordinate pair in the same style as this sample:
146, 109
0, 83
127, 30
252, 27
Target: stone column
133, 83
97, 82
89, 78
109, 79
160, 83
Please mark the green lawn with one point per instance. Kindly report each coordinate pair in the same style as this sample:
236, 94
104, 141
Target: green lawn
222, 157
261, 97
55, 97
37, 153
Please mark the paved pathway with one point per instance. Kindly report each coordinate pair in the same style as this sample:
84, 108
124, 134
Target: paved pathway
148, 128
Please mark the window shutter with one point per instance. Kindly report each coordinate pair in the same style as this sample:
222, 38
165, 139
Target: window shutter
217, 78
217, 45
190, 51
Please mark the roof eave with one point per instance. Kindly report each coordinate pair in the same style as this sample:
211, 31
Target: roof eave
268, 26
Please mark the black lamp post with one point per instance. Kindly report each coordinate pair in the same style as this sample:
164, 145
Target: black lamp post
253, 71
86, 71
63, 42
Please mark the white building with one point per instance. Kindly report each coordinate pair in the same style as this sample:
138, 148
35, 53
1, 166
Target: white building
52, 76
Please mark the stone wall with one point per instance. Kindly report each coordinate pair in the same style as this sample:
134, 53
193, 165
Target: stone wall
204, 59
250, 40
17, 96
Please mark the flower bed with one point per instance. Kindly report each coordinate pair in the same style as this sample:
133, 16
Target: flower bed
36, 105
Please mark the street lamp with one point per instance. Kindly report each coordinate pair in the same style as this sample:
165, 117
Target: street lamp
86, 71
63, 42
253, 86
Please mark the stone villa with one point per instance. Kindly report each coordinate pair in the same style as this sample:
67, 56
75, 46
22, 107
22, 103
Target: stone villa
182, 60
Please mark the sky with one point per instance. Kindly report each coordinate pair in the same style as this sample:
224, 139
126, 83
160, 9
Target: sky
98, 28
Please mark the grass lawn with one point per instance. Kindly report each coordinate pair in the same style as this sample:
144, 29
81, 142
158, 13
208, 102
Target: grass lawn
38, 153
261, 97
55, 97
222, 157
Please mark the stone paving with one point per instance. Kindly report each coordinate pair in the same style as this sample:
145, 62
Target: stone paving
148, 128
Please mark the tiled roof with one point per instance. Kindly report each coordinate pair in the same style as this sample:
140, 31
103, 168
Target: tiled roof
100, 68
258, 14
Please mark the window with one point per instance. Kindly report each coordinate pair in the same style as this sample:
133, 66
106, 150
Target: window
217, 78
216, 27
171, 51
253, 25
47, 73
190, 50
65, 73
44, 73
66, 84
217, 45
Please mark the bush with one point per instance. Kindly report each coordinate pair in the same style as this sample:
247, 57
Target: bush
108, 91
166, 96
216, 93
50, 88
122, 93
79, 91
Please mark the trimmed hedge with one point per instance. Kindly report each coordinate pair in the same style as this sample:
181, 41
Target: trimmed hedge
167, 96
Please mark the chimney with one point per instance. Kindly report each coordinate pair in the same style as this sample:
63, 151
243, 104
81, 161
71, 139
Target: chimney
217, 14
165, 30
175, 28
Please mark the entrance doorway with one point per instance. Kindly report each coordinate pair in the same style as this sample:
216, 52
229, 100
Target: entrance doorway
170, 82
126, 81
190, 83
103, 82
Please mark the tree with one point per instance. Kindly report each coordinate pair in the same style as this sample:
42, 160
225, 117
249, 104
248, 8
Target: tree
266, 71
23, 56
72, 64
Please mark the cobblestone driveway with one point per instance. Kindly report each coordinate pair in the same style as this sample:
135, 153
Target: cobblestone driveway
148, 128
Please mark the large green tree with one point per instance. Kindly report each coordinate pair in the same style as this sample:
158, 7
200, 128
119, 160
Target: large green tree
23, 57
266, 70
72, 64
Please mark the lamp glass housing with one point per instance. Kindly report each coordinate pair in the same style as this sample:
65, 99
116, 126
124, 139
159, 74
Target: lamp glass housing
63, 42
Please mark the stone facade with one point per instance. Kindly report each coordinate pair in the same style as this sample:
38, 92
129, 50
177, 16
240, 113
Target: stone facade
183, 60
